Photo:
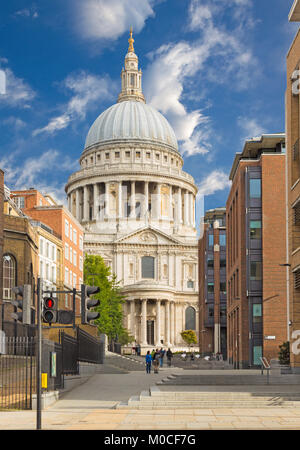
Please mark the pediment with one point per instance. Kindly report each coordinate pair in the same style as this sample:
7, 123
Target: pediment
148, 236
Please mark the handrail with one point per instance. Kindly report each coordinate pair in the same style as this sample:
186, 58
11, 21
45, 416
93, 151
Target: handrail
265, 365
265, 362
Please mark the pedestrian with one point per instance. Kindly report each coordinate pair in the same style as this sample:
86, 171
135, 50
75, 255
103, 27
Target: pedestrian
155, 365
169, 357
192, 356
148, 362
153, 354
161, 357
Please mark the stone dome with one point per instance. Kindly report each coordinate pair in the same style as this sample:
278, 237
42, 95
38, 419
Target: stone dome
130, 120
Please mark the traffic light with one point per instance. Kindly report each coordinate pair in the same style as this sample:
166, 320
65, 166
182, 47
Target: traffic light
22, 303
49, 313
87, 303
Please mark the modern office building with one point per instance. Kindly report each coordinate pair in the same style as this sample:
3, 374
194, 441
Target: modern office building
256, 249
212, 284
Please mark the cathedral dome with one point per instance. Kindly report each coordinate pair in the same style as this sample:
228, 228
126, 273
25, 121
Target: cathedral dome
131, 120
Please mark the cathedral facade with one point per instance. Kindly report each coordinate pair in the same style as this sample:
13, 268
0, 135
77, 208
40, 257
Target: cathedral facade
137, 207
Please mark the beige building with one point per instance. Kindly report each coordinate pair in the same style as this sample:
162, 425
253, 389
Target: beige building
137, 206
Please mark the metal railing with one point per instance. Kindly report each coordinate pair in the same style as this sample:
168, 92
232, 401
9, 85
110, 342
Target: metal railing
265, 366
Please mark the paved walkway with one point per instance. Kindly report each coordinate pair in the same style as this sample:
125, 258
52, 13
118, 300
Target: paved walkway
89, 407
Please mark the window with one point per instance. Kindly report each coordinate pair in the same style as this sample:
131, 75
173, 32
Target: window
211, 311
257, 354
223, 287
210, 288
222, 263
255, 188
222, 311
20, 202
80, 263
9, 276
255, 271
255, 229
41, 269
107, 155
67, 251
138, 154
66, 275
71, 232
117, 155
80, 242
190, 318
127, 154
47, 251
222, 240
71, 255
75, 258
257, 312
66, 228
131, 269
74, 236
148, 267
210, 240
210, 263
148, 155
190, 284
41, 246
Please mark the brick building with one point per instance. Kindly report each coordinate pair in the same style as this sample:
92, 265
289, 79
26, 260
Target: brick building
212, 284
20, 256
42, 208
256, 248
1, 235
293, 186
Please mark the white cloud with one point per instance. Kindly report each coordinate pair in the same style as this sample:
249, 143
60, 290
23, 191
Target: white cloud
251, 127
174, 68
36, 172
18, 93
109, 19
217, 180
87, 89
27, 13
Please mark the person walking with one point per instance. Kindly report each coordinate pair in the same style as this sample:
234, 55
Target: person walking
161, 357
148, 362
169, 357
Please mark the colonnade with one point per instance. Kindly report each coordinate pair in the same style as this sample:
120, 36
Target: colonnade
134, 199
162, 331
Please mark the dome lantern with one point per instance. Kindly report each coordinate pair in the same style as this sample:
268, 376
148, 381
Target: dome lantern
131, 76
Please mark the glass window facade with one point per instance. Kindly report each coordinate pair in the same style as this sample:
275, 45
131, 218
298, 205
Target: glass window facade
255, 271
255, 229
255, 188
148, 267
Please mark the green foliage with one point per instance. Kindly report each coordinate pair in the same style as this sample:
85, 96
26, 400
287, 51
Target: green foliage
125, 338
96, 273
284, 353
189, 337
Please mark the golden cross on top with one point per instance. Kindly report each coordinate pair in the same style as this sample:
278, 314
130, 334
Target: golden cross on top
131, 41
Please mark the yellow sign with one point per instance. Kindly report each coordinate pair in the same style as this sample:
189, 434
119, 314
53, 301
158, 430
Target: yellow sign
44, 380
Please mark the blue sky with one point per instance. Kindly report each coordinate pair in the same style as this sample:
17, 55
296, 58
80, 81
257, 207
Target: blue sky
214, 68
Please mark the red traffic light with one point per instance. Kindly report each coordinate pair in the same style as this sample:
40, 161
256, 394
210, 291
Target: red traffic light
49, 303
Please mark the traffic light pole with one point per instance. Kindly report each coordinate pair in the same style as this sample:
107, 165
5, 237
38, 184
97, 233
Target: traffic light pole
39, 356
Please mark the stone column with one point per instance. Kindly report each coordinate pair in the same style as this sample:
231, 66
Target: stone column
120, 211
146, 199
106, 211
85, 203
144, 322
96, 200
186, 208
158, 343
70, 202
132, 200
132, 318
172, 322
77, 205
191, 209
167, 323
158, 201
179, 207
171, 204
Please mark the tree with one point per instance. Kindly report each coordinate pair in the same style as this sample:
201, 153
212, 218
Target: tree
96, 273
189, 337
284, 353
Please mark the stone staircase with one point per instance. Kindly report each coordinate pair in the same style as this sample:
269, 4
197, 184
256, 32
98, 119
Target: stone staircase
155, 399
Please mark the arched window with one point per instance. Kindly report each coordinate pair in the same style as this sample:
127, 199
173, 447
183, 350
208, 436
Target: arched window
148, 267
190, 318
9, 276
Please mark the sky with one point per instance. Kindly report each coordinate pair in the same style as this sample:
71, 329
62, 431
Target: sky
216, 69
